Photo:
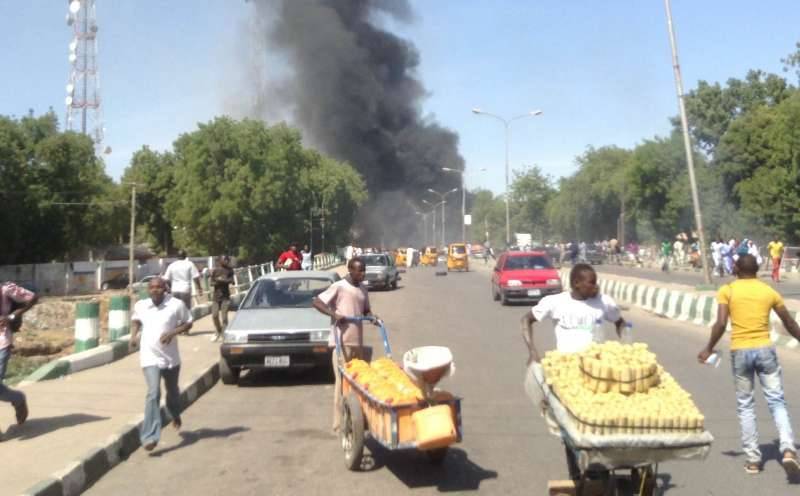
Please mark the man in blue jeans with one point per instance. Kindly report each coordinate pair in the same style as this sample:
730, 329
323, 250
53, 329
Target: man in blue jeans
748, 302
12, 295
156, 323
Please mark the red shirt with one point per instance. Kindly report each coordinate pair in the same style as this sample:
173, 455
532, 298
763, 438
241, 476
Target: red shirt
289, 255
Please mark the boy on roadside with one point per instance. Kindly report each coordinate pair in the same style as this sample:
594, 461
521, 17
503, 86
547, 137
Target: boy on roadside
748, 302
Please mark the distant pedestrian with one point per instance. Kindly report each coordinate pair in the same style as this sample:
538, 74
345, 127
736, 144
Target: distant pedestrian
290, 259
181, 274
666, 255
305, 259
156, 323
716, 256
573, 253
221, 280
11, 296
726, 254
345, 298
775, 248
748, 303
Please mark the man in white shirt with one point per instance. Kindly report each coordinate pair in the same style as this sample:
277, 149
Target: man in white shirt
575, 313
156, 323
180, 274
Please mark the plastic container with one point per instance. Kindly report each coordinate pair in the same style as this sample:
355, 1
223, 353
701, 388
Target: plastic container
427, 365
714, 360
598, 334
434, 427
627, 333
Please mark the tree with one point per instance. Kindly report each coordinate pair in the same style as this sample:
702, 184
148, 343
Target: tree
154, 176
245, 189
531, 190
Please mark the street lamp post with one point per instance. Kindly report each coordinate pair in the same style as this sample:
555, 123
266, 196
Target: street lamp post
424, 226
433, 206
687, 143
506, 125
463, 200
443, 196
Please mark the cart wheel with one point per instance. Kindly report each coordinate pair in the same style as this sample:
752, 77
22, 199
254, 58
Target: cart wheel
436, 456
352, 432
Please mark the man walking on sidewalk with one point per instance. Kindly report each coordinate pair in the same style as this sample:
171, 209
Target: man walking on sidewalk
749, 302
12, 295
156, 323
181, 274
775, 249
221, 278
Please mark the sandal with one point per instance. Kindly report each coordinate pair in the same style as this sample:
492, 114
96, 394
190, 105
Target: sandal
752, 467
791, 464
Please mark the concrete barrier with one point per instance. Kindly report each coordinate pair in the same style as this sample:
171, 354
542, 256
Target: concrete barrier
87, 325
119, 317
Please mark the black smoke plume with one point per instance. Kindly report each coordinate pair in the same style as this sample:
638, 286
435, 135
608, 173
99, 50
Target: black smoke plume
352, 86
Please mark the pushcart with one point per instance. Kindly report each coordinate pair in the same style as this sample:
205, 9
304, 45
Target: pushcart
390, 425
603, 463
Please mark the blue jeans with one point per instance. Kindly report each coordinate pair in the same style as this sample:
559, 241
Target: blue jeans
746, 364
151, 427
7, 394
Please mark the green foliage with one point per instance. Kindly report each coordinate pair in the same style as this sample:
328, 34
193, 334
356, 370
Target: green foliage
55, 193
245, 189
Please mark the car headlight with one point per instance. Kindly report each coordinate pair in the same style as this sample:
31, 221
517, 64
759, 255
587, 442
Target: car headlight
514, 282
234, 337
319, 335
554, 282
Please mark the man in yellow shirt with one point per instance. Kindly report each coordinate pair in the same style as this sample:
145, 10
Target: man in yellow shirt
775, 248
748, 302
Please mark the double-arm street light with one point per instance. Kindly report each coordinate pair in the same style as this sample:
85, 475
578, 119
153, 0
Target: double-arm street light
507, 124
463, 200
443, 196
433, 206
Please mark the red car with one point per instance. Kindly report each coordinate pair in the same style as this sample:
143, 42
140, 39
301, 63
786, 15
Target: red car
524, 276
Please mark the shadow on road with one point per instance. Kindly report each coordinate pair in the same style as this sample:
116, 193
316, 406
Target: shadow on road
770, 452
190, 437
286, 378
456, 472
36, 427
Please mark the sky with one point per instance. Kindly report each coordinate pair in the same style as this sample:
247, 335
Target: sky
599, 71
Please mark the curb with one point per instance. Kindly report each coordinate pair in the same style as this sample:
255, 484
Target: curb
101, 355
693, 307
79, 475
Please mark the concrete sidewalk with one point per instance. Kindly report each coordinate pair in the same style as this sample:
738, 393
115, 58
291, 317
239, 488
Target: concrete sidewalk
75, 415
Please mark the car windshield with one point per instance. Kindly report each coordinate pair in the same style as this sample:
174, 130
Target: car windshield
459, 250
295, 292
528, 262
375, 260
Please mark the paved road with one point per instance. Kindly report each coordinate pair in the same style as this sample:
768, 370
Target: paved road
788, 287
271, 434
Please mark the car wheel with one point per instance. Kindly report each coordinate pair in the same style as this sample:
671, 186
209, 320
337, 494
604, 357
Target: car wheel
394, 283
495, 294
228, 375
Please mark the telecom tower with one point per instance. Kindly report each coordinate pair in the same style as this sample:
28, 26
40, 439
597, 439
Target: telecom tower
84, 112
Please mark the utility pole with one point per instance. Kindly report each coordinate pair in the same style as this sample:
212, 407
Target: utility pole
687, 143
131, 240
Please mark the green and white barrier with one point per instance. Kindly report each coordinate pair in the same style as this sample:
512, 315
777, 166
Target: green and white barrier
87, 325
119, 317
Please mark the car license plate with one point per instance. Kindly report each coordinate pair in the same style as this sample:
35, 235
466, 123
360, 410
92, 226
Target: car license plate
534, 292
276, 361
